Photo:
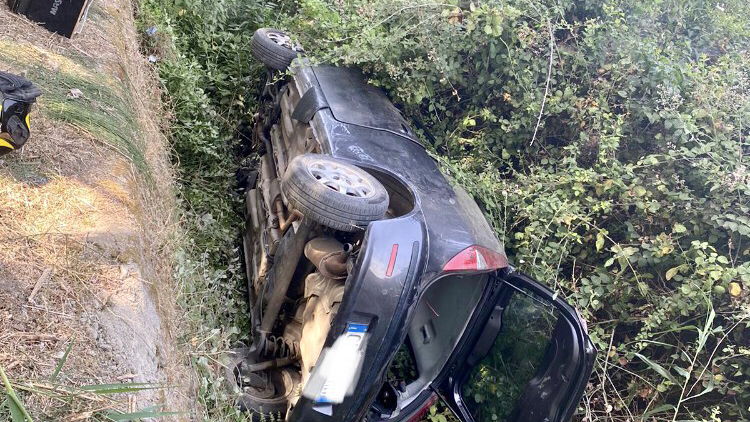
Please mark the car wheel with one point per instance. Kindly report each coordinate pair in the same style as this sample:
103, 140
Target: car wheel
274, 48
334, 193
265, 392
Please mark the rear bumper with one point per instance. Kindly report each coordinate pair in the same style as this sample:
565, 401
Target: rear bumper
379, 293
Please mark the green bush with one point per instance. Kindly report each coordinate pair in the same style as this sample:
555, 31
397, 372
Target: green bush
606, 140
209, 84
608, 143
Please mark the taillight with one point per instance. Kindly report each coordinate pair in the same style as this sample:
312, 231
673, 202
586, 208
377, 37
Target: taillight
476, 258
423, 409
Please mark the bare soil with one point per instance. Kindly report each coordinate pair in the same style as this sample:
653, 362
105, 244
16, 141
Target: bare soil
85, 228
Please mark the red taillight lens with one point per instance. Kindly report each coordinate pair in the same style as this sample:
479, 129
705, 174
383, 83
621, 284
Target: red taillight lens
476, 258
419, 414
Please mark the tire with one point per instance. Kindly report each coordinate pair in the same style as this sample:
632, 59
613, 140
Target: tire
309, 186
271, 53
285, 380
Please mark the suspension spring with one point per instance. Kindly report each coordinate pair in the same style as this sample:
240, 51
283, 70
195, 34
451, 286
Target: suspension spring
279, 347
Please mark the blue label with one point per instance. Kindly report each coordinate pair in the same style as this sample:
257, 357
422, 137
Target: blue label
356, 328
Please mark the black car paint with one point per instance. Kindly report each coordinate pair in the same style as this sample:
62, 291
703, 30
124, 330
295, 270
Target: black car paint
372, 297
365, 106
381, 302
357, 123
375, 144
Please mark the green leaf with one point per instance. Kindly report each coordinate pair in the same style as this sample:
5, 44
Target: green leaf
672, 272
639, 191
682, 371
62, 361
679, 228
117, 416
643, 288
17, 411
119, 388
658, 409
706, 331
656, 367
709, 388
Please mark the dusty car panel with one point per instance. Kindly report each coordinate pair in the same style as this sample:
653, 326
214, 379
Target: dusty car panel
365, 106
407, 160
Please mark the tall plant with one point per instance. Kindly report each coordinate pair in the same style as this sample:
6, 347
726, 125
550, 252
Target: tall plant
608, 142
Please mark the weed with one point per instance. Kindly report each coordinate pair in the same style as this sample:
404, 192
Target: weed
103, 110
14, 404
208, 81
608, 144
97, 394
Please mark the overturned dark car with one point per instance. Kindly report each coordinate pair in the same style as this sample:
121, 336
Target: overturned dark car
376, 285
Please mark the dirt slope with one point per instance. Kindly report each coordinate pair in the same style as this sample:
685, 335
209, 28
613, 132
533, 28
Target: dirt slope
86, 221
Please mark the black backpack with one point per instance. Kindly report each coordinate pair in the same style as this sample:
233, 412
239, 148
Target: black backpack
17, 94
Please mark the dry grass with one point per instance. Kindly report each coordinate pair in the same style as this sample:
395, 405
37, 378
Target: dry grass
88, 220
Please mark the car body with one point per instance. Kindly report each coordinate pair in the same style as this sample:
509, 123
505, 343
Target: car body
430, 277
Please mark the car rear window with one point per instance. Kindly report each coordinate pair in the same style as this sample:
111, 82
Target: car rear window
352, 100
497, 383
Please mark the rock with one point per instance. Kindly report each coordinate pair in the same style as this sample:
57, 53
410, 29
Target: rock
75, 93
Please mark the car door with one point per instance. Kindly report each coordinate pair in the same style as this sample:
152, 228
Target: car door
525, 357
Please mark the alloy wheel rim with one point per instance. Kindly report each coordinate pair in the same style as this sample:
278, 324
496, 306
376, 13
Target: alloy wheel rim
341, 179
283, 40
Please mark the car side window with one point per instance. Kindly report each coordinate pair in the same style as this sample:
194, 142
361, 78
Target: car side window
498, 382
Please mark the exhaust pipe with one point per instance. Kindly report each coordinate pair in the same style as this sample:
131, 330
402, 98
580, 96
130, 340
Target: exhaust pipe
329, 256
282, 271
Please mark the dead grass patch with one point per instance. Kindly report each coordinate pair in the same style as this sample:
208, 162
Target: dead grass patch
88, 227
